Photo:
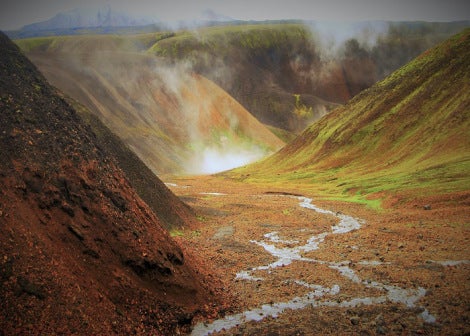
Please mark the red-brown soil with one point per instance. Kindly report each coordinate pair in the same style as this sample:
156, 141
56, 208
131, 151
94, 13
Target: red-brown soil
80, 252
407, 243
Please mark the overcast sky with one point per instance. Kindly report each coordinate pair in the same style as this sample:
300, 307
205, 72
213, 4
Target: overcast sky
17, 13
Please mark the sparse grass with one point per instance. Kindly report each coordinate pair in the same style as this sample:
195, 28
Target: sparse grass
373, 204
301, 109
284, 135
85, 43
195, 233
36, 43
176, 233
184, 233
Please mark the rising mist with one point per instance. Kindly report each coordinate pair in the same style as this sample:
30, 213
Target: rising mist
174, 119
183, 101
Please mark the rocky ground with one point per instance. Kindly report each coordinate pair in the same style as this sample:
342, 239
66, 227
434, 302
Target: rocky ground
402, 272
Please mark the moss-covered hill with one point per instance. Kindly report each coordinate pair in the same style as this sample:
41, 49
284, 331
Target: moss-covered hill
288, 74
408, 134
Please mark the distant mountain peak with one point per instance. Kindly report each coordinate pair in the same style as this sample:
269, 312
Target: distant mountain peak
89, 17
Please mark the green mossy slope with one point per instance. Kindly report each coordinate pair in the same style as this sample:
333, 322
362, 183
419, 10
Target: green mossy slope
407, 134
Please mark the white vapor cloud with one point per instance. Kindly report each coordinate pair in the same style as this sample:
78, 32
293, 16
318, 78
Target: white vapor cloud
214, 160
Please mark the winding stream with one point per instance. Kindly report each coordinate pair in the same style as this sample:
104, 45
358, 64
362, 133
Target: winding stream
286, 255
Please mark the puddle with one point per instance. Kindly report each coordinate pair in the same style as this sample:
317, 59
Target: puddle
372, 263
318, 296
346, 223
174, 185
274, 237
267, 310
224, 232
451, 262
169, 184
212, 194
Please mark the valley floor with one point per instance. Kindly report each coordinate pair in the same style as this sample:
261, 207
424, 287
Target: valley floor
296, 269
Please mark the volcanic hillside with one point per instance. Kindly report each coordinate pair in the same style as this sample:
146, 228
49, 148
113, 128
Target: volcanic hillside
173, 213
406, 135
81, 253
174, 120
290, 74
263, 67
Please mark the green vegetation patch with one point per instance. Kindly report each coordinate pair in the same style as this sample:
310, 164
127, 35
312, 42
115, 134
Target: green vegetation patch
224, 40
35, 44
176, 233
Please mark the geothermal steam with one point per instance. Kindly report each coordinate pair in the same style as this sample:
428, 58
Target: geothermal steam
175, 120
213, 159
221, 134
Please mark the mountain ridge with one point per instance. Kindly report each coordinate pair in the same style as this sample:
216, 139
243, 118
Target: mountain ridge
88, 18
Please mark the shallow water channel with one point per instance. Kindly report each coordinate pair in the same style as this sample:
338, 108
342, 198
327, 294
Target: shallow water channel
315, 297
